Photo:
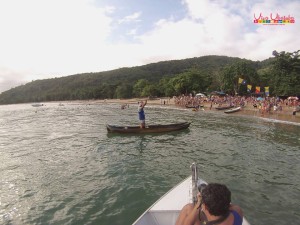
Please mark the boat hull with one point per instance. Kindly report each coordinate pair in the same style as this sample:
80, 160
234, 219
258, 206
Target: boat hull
233, 110
37, 104
166, 210
147, 129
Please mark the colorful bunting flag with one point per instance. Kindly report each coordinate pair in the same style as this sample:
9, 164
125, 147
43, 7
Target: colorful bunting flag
267, 91
241, 80
249, 87
257, 90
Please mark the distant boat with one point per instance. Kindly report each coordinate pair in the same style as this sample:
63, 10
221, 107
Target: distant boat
224, 107
37, 104
194, 106
233, 110
60, 104
148, 129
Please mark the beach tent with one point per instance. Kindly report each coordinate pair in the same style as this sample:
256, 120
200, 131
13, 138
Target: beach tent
260, 99
293, 98
221, 93
200, 95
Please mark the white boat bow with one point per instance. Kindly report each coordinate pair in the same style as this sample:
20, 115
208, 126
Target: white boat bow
166, 210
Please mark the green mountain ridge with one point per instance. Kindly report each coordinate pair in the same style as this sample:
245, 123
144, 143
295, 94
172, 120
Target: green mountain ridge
111, 84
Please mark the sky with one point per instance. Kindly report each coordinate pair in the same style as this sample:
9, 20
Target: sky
41, 39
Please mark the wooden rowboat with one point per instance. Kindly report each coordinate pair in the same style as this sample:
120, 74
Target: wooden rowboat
233, 110
166, 210
148, 129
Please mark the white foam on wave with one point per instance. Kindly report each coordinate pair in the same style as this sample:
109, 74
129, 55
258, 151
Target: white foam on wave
280, 121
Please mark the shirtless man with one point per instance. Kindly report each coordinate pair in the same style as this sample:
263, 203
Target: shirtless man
142, 113
213, 207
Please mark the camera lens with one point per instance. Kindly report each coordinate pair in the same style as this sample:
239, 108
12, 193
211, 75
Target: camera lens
201, 187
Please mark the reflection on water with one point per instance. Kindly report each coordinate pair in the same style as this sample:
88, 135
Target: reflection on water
59, 165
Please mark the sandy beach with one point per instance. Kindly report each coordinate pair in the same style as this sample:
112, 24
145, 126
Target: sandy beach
285, 115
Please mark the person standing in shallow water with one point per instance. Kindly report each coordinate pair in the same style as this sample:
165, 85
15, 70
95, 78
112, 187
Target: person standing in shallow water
142, 113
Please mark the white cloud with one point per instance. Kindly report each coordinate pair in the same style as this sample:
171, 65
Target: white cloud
214, 27
132, 32
10, 78
42, 39
204, 9
52, 37
131, 18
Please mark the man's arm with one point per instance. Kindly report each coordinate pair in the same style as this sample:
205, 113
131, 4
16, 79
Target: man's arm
189, 214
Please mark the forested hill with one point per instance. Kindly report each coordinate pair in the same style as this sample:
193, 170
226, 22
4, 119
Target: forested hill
103, 85
166, 78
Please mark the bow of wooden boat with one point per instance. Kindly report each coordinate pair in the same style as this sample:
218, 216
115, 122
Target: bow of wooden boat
233, 110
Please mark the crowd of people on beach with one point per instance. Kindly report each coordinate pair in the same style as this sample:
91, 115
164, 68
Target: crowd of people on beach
263, 104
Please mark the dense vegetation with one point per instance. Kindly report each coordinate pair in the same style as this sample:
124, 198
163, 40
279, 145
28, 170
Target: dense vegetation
203, 74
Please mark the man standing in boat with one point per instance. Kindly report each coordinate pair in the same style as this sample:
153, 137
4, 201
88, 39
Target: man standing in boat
142, 113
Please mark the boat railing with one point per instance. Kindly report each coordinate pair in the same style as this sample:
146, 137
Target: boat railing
194, 182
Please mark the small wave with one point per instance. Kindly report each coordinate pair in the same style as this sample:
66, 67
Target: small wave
280, 121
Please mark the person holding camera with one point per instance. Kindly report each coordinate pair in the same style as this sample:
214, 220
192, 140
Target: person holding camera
213, 207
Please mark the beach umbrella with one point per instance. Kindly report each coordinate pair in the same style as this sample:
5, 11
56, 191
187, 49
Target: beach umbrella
260, 99
293, 98
221, 93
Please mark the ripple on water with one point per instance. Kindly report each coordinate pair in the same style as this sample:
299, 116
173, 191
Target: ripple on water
59, 165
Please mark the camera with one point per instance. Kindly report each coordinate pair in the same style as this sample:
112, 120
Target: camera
201, 187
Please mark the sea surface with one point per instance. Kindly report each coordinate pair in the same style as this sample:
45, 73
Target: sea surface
58, 164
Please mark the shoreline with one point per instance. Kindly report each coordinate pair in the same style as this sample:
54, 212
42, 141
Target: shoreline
285, 115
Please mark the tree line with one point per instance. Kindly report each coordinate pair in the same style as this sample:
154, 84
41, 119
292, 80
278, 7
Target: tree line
281, 73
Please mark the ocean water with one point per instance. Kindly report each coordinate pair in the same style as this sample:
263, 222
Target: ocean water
60, 166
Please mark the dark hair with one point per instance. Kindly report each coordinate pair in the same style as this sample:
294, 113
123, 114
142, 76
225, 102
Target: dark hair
217, 198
